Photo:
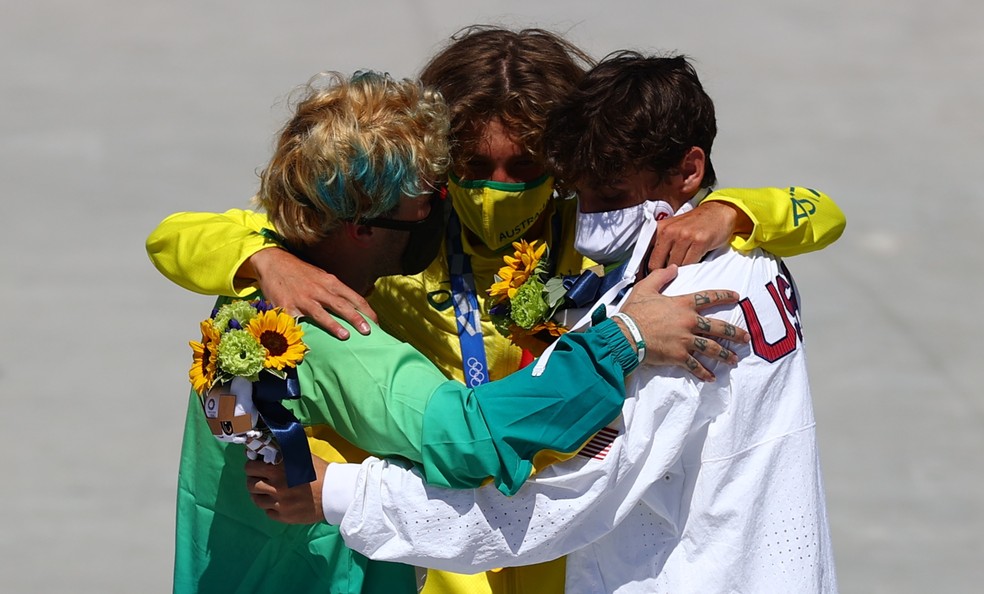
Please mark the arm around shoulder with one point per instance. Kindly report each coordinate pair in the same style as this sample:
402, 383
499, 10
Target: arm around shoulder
496, 430
786, 221
202, 251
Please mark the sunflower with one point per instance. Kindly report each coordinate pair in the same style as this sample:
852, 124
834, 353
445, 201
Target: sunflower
280, 336
202, 372
536, 339
550, 327
518, 269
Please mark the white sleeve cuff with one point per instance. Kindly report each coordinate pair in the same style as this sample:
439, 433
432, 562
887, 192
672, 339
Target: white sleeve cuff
338, 490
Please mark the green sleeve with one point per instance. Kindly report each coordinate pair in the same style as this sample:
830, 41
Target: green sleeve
202, 251
787, 221
371, 389
388, 399
496, 429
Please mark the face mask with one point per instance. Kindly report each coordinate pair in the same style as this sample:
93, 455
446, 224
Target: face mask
608, 237
499, 213
425, 235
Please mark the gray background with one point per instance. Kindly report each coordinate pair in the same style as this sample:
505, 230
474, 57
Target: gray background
116, 113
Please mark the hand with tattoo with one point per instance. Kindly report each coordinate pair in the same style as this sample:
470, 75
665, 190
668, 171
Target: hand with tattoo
673, 328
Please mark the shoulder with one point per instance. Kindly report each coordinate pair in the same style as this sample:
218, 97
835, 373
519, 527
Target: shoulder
320, 341
725, 268
247, 217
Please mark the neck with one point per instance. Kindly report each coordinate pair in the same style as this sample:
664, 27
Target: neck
678, 200
682, 198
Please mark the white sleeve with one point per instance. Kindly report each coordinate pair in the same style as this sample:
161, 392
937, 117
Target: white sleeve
393, 515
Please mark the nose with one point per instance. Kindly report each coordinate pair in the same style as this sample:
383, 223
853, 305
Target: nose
502, 175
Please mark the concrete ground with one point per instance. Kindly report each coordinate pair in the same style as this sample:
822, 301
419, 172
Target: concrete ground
117, 113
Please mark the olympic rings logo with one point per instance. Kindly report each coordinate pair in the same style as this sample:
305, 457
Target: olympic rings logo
475, 371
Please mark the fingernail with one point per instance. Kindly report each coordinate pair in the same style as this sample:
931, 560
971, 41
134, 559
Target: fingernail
343, 334
364, 328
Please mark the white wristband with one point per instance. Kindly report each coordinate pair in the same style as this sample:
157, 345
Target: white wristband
634, 331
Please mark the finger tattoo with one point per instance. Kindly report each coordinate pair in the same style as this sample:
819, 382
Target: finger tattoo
730, 331
700, 343
691, 363
701, 299
725, 354
703, 324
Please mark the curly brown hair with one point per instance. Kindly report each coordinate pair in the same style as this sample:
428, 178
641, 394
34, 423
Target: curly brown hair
516, 76
630, 112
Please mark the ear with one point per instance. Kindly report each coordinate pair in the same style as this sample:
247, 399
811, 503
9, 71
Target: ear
356, 232
692, 170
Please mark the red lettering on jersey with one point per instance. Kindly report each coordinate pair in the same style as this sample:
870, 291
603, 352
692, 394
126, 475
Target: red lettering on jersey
787, 308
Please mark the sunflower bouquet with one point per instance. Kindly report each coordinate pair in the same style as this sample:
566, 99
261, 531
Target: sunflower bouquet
524, 299
241, 341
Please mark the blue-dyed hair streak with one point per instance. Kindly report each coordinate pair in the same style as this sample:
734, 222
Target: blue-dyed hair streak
385, 179
353, 148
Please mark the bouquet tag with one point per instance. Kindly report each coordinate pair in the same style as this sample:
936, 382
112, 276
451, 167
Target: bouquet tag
220, 412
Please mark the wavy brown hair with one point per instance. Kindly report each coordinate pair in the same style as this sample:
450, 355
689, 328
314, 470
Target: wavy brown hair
517, 76
352, 149
630, 112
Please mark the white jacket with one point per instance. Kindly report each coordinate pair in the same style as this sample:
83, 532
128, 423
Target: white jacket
698, 487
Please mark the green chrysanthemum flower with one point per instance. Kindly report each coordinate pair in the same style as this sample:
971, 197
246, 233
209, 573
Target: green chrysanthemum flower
241, 355
241, 311
528, 306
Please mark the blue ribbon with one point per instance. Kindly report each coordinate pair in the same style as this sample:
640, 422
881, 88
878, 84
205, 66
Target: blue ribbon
585, 289
581, 290
268, 393
466, 309
474, 363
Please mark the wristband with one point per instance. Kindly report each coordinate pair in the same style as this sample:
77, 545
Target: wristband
634, 331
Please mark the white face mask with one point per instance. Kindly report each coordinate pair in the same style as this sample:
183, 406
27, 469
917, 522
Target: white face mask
608, 237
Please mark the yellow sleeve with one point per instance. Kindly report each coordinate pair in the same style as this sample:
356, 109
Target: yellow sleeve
201, 251
787, 221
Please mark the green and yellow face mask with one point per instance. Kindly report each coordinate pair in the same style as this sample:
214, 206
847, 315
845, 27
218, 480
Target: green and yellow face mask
499, 213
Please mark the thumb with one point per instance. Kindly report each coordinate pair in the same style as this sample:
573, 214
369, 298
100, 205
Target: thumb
657, 280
